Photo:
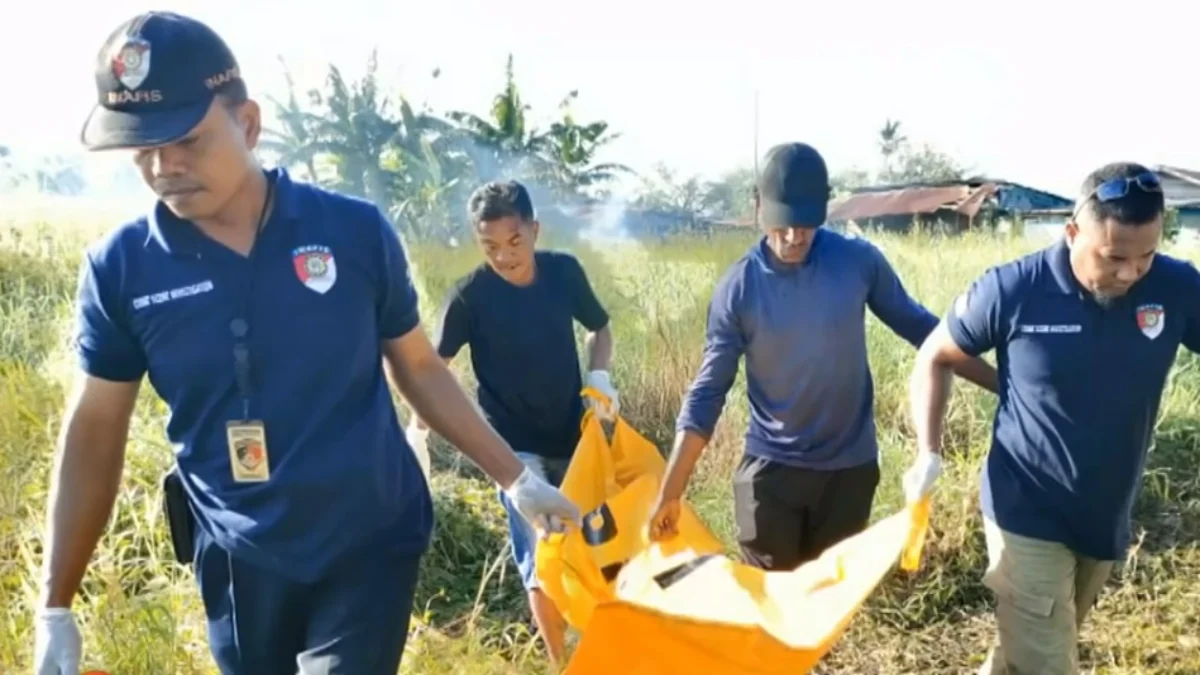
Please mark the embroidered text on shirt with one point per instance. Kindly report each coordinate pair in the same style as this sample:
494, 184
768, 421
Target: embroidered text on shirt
173, 294
1050, 328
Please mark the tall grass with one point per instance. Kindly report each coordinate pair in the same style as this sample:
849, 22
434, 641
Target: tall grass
141, 611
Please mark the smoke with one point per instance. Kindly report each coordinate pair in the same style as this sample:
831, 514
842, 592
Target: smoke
432, 196
608, 220
593, 216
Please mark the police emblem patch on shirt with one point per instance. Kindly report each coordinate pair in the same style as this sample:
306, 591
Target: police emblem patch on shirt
1150, 320
315, 267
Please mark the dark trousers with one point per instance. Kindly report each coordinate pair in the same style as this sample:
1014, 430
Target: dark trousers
787, 516
354, 621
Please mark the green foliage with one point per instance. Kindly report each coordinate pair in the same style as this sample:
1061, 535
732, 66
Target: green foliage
901, 161
421, 166
1171, 225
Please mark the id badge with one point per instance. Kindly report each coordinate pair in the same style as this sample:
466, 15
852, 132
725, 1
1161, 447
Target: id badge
248, 451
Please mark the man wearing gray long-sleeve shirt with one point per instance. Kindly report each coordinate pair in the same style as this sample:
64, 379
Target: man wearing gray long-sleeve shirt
794, 306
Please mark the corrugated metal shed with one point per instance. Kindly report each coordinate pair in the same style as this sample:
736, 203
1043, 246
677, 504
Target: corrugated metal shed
967, 198
1181, 187
963, 199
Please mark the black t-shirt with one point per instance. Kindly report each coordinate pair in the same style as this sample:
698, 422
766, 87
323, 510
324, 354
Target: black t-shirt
523, 349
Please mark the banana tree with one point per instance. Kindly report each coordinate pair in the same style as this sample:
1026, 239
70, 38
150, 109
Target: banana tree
427, 209
571, 148
504, 144
293, 143
354, 129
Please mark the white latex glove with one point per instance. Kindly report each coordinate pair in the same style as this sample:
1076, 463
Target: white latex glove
58, 646
599, 380
921, 476
418, 440
541, 503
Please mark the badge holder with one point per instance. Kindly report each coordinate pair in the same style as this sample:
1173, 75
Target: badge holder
246, 438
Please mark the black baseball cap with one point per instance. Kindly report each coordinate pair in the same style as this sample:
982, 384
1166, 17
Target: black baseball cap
793, 188
156, 77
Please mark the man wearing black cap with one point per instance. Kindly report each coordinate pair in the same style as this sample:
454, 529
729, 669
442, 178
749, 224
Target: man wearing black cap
261, 310
794, 306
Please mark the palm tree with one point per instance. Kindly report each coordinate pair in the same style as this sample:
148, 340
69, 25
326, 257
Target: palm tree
890, 142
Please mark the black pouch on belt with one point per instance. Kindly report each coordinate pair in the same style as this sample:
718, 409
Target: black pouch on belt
179, 517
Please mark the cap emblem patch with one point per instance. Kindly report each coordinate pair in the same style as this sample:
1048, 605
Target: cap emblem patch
131, 64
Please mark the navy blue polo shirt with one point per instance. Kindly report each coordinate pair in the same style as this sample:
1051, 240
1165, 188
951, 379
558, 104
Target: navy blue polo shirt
523, 351
327, 282
1080, 387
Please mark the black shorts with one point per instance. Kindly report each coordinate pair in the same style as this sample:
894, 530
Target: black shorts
787, 516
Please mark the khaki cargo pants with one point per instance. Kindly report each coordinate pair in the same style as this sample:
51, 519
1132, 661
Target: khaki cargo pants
1043, 593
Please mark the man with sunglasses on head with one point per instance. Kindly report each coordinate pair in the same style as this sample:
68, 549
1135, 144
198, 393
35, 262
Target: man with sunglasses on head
1067, 453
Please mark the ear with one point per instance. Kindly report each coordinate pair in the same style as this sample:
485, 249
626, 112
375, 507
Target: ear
249, 118
535, 227
1070, 231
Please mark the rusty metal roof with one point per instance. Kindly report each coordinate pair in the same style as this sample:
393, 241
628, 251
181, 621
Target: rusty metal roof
1181, 186
964, 199
1185, 175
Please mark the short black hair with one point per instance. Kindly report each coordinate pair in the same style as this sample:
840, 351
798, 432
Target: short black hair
500, 199
1137, 207
233, 93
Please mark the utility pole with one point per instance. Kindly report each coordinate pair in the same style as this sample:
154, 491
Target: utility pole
756, 133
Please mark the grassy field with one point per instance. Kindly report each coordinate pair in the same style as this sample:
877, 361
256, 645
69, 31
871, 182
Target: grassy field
141, 612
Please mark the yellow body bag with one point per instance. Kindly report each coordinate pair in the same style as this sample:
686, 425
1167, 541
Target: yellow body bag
690, 613
681, 607
614, 486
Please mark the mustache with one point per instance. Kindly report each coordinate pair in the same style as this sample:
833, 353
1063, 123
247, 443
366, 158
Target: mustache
167, 188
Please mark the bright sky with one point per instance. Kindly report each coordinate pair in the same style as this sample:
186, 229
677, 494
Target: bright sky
1034, 92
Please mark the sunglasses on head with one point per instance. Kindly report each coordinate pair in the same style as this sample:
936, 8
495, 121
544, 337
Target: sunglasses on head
1116, 188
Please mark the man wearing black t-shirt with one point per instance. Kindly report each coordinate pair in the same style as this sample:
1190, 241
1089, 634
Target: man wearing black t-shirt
516, 311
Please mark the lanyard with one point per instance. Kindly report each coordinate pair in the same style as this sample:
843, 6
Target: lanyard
240, 326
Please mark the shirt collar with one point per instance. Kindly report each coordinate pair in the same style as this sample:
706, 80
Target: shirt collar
177, 236
1058, 257
768, 260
